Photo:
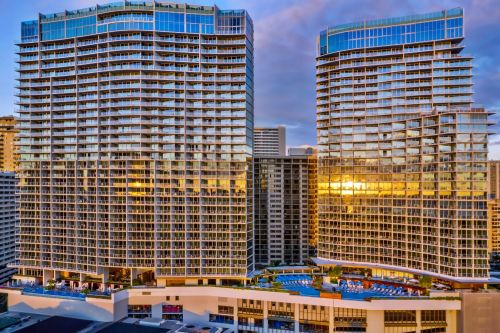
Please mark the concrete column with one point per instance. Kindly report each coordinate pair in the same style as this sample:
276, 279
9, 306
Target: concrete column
156, 310
266, 323
331, 319
296, 317
451, 321
105, 275
82, 277
375, 321
419, 321
133, 275
235, 316
47, 275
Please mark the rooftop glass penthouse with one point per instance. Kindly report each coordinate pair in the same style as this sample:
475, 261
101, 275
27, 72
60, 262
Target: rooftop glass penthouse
136, 125
402, 155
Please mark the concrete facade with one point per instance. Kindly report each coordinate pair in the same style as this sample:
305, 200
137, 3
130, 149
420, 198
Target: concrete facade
269, 141
479, 312
284, 209
9, 217
8, 154
252, 310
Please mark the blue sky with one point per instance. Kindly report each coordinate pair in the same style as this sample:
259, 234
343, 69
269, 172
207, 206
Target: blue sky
285, 35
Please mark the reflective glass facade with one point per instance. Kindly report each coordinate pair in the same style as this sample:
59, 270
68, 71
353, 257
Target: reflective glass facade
136, 123
143, 16
401, 153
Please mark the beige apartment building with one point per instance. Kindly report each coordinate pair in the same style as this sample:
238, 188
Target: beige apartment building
269, 141
8, 155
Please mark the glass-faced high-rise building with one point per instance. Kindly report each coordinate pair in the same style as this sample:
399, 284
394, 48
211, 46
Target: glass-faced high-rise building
136, 126
402, 154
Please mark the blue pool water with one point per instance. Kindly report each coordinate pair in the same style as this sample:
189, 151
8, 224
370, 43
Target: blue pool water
304, 290
359, 295
300, 283
55, 293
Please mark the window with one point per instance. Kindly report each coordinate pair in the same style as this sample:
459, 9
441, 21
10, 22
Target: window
222, 319
433, 316
406, 317
226, 309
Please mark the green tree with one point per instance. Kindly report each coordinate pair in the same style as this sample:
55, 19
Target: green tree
425, 282
335, 272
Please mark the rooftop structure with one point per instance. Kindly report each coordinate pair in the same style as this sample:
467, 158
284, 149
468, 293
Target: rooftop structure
308, 151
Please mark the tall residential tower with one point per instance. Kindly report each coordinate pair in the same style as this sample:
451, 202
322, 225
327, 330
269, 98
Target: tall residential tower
402, 171
136, 123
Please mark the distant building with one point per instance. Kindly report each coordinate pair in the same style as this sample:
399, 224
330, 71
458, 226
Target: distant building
494, 206
285, 208
308, 151
269, 141
7, 143
8, 219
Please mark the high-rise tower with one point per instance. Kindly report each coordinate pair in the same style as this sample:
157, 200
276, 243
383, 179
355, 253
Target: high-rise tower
136, 125
402, 155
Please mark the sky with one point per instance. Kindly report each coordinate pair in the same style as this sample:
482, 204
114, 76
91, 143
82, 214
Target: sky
285, 38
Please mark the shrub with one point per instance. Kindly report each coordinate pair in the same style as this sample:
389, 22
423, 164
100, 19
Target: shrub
51, 284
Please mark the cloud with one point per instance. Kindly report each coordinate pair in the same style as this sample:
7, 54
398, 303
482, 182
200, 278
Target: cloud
285, 50
285, 47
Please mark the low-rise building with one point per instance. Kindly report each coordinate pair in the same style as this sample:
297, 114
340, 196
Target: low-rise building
247, 310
